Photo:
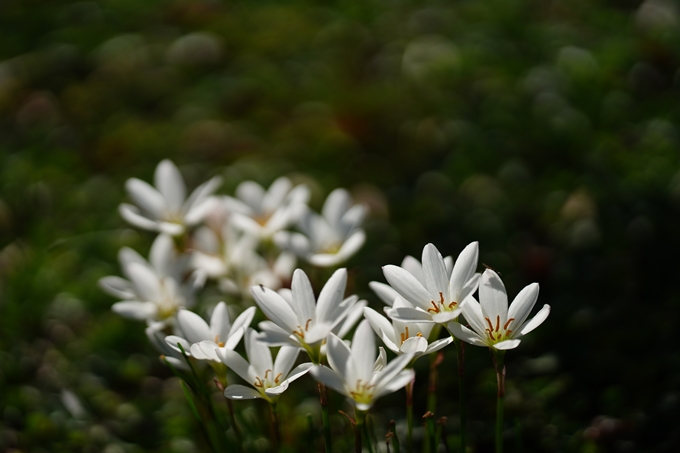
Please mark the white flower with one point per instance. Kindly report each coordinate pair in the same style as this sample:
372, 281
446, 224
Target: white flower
203, 341
404, 337
268, 379
330, 238
492, 323
165, 208
355, 373
153, 291
261, 213
232, 260
437, 297
300, 321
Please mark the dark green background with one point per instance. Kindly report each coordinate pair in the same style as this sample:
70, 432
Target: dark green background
547, 130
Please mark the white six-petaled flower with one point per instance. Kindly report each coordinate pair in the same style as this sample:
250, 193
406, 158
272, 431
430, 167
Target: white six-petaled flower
300, 321
437, 297
203, 341
165, 208
356, 373
268, 378
262, 213
155, 290
493, 324
330, 238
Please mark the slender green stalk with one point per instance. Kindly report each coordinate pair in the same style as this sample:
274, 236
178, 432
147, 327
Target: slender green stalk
323, 399
460, 355
392, 438
409, 414
499, 364
435, 361
358, 429
368, 436
276, 432
428, 421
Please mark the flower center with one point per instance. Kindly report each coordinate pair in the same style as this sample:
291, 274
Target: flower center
442, 305
218, 342
301, 333
405, 336
497, 334
266, 382
363, 392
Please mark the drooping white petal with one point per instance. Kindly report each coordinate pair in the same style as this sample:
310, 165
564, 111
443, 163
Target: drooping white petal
170, 184
193, 327
536, 321
329, 378
275, 307
463, 333
434, 270
523, 304
304, 304
135, 309
174, 340
493, 297
299, 371
241, 392
331, 295
146, 197
276, 391
117, 287
407, 285
391, 345
463, 269
131, 215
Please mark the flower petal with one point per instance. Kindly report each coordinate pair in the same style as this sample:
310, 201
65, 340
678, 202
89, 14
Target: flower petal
145, 281
463, 270
380, 323
363, 351
336, 204
536, 321
285, 360
275, 391
438, 344
200, 192
522, 305
276, 194
394, 384
219, 322
275, 308
200, 209
304, 303
132, 215
173, 340
146, 197
242, 321
204, 350
135, 310
385, 292
162, 254
259, 354
329, 378
493, 297
355, 313
507, 344
434, 270
407, 314
193, 327
241, 392
407, 285
338, 354
237, 364
170, 184
415, 345
251, 193
446, 316
117, 287
463, 333
299, 371
331, 296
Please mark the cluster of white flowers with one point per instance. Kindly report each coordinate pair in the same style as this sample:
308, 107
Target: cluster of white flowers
249, 244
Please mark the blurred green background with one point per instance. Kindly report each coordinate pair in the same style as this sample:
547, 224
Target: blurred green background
547, 130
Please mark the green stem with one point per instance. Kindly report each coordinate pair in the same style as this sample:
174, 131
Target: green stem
460, 355
435, 361
393, 438
358, 429
409, 414
367, 434
276, 433
499, 364
323, 399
